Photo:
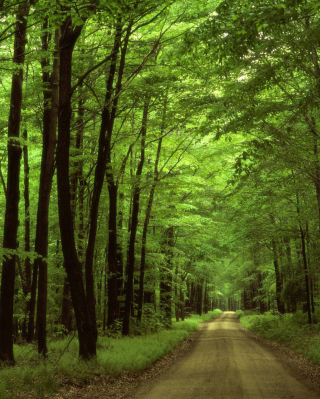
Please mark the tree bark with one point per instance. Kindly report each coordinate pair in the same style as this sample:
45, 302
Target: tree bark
279, 300
66, 319
47, 168
112, 254
166, 280
86, 325
120, 255
26, 276
106, 129
12, 199
145, 232
134, 222
306, 272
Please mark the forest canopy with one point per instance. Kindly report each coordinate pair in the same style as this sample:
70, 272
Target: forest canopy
157, 159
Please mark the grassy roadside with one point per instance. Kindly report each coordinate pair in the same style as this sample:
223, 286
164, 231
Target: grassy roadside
289, 329
35, 378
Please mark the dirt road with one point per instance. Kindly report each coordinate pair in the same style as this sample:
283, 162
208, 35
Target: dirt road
226, 364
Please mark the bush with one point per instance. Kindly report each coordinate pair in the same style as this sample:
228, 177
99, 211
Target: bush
288, 328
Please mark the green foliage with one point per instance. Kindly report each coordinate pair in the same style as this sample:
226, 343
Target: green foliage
289, 329
234, 97
192, 324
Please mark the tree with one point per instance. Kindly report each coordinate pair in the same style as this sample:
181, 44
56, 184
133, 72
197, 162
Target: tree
12, 195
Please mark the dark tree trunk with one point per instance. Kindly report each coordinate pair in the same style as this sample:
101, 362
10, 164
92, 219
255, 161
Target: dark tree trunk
66, 318
205, 302
27, 264
86, 324
134, 223
112, 254
177, 299
192, 297
311, 275
106, 129
105, 291
306, 272
120, 256
76, 181
166, 280
187, 306
47, 168
182, 304
261, 303
32, 303
145, 232
12, 198
199, 299
279, 300
26, 276
289, 256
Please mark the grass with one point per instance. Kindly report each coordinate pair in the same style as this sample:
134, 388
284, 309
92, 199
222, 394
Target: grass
289, 329
34, 378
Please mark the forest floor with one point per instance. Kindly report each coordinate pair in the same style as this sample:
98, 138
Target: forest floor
222, 360
124, 385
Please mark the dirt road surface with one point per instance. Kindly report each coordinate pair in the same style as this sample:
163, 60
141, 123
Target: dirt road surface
226, 364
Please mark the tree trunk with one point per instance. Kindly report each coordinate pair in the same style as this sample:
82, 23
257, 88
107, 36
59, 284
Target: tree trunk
306, 272
134, 223
86, 326
66, 319
176, 298
279, 300
106, 129
182, 304
166, 280
199, 299
205, 304
112, 254
47, 167
26, 278
12, 199
120, 256
32, 303
145, 232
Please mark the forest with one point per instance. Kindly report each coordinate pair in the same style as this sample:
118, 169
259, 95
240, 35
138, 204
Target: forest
157, 160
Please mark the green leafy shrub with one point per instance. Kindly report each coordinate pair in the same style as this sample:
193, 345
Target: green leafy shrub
290, 329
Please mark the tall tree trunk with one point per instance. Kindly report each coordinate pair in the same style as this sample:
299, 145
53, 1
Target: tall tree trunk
182, 304
76, 181
145, 232
26, 279
279, 300
306, 272
106, 130
86, 326
120, 255
176, 298
199, 299
47, 168
66, 319
13, 177
311, 275
205, 302
134, 223
32, 303
112, 253
166, 279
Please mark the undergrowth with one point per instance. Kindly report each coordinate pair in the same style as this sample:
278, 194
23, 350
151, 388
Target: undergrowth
290, 329
35, 378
